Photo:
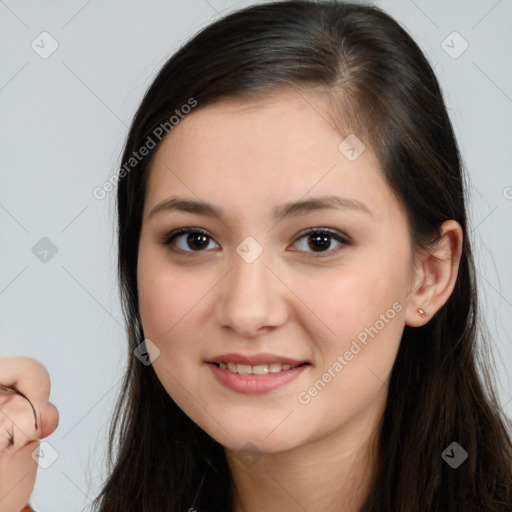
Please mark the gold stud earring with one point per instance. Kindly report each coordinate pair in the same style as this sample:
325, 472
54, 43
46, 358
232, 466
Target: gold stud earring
422, 313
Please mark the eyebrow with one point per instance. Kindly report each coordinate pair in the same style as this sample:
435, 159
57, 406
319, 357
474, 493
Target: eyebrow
291, 209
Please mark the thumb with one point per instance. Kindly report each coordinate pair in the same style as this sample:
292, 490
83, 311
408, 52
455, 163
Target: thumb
49, 420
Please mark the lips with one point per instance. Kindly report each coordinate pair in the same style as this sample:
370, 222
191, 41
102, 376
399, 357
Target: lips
254, 374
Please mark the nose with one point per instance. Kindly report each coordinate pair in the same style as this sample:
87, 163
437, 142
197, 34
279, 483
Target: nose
252, 298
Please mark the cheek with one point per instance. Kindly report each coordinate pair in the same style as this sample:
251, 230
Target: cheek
166, 294
171, 305
352, 304
366, 317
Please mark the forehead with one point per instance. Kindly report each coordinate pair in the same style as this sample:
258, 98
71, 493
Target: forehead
257, 151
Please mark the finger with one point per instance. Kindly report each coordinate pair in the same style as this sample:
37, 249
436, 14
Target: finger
49, 420
27, 376
17, 424
30, 379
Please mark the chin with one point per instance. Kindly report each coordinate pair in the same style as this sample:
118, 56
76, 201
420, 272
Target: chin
252, 439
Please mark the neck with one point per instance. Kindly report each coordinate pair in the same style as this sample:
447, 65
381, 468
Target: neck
331, 473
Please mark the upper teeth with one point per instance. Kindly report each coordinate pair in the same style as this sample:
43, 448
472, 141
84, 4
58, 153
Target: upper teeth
259, 369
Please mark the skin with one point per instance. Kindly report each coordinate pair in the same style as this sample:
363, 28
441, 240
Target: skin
245, 157
25, 417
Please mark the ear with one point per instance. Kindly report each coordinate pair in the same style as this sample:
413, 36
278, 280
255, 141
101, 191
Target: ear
435, 276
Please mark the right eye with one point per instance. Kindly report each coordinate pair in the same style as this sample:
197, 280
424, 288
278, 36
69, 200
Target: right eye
196, 238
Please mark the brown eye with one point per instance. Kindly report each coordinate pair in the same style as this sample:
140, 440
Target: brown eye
187, 240
196, 241
321, 241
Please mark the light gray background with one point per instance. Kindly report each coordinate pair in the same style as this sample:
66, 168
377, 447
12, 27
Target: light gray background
63, 123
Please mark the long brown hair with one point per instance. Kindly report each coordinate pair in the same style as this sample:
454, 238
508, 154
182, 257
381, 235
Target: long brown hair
381, 87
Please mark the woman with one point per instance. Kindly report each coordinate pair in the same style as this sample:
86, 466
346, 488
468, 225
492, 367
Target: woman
297, 280
295, 101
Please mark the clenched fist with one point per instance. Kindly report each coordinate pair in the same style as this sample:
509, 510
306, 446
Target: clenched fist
25, 417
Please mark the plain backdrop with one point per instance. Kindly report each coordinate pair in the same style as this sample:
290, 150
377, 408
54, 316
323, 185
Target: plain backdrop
63, 119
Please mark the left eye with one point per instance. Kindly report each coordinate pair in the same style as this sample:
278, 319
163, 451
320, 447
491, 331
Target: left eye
319, 240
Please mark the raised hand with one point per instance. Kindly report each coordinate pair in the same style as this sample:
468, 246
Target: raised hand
25, 417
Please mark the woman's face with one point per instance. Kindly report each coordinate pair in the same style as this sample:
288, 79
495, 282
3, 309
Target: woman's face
256, 289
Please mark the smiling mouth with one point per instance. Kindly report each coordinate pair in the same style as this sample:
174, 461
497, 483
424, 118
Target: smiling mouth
259, 369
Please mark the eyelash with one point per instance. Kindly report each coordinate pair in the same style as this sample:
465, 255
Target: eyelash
339, 237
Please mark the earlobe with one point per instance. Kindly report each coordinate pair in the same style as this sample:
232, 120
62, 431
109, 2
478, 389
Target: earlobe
436, 276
